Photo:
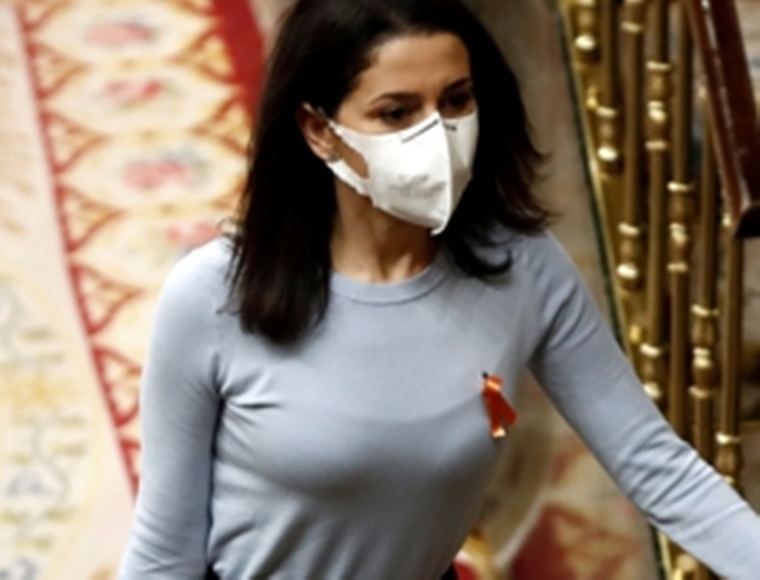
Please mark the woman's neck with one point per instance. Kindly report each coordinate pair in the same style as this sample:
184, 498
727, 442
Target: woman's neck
371, 246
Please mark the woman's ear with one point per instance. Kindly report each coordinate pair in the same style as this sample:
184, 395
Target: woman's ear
319, 137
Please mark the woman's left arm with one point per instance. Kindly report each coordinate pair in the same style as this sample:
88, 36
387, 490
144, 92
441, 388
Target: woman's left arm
584, 371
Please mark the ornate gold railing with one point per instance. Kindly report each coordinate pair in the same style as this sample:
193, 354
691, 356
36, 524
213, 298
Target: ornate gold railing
674, 159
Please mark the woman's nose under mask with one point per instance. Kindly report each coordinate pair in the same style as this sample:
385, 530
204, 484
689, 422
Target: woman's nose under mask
417, 174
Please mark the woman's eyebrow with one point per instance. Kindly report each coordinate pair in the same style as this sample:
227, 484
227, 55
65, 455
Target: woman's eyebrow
399, 96
456, 85
404, 96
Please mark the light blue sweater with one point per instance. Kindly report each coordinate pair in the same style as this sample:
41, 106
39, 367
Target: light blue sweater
364, 452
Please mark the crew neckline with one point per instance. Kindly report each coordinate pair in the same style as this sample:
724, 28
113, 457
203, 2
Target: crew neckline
404, 290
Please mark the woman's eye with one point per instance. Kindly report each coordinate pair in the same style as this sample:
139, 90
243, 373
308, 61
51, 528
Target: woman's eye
459, 102
393, 116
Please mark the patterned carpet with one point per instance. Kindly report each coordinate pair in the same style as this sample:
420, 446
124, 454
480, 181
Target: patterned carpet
124, 137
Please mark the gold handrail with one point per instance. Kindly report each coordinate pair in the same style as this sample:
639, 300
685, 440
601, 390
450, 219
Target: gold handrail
731, 107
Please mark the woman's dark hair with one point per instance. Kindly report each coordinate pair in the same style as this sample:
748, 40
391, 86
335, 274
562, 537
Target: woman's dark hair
281, 246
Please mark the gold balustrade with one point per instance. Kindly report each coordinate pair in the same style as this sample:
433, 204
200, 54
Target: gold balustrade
669, 126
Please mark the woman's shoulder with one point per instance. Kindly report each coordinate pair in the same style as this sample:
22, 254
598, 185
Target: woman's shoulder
539, 251
539, 263
205, 261
199, 276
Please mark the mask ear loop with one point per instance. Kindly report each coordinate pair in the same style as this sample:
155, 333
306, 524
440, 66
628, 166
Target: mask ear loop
322, 114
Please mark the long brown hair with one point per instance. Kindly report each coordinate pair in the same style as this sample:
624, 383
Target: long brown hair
281, 260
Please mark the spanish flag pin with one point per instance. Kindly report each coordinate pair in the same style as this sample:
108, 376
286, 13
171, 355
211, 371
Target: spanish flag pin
500, 412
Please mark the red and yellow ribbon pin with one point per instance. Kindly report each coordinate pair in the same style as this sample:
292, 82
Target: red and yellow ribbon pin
500, 412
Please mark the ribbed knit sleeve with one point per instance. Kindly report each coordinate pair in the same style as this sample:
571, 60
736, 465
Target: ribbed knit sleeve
583, 370
178, 409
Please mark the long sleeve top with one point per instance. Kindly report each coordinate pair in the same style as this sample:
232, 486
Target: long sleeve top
364, 450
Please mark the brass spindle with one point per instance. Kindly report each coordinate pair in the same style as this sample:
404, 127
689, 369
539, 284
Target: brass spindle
685, 567
729, 461
660, 29
586, 48
629, 270
681, 191
586, 42
705, 313
653, 350
608, 113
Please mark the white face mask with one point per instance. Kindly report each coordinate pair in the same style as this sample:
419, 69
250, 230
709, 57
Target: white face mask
418, 174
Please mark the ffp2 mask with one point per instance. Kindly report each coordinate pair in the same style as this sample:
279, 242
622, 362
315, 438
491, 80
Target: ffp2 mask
417, 174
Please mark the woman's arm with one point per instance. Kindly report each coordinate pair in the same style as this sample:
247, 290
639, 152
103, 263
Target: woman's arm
178, 410
582, 368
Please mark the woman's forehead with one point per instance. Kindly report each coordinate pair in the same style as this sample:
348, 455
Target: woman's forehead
414, 64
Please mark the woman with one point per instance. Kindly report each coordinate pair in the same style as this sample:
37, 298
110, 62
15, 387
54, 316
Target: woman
326, 391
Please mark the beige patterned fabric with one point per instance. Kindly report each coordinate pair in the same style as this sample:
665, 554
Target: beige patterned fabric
123, 126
